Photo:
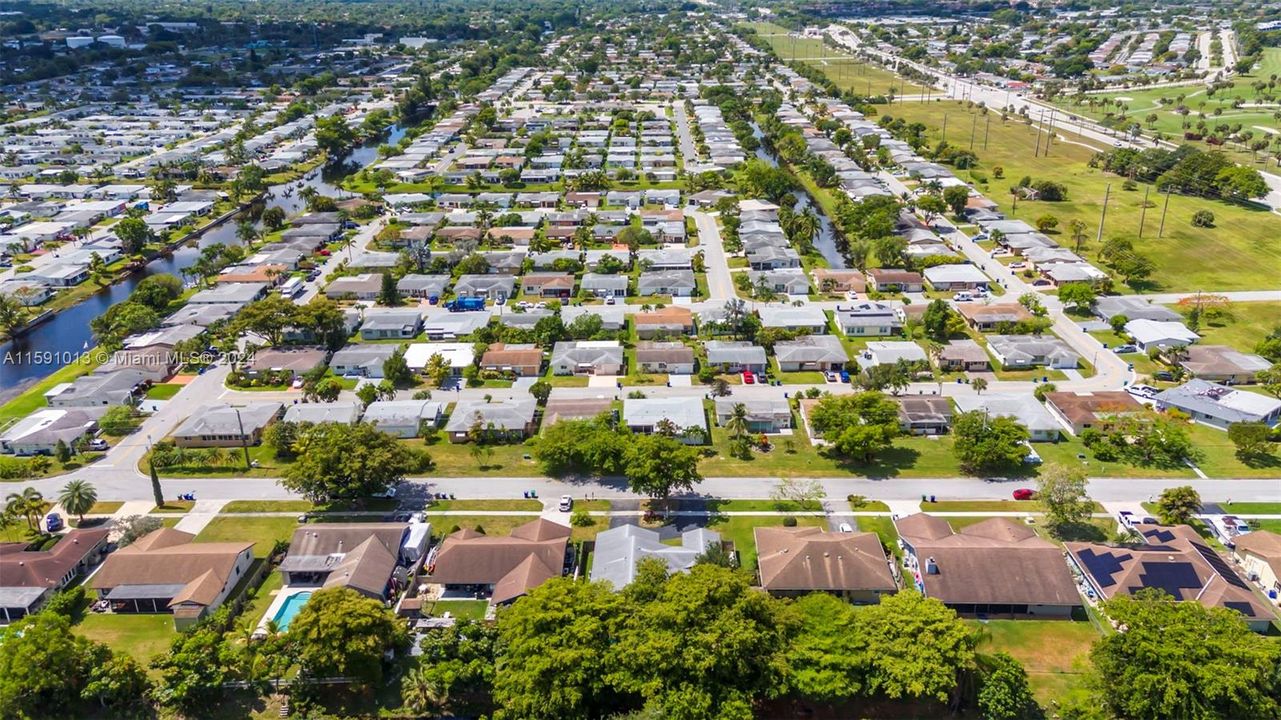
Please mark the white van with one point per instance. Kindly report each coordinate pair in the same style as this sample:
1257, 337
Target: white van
292, 287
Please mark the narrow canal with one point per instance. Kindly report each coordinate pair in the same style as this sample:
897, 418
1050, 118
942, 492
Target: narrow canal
48, 346
825, 242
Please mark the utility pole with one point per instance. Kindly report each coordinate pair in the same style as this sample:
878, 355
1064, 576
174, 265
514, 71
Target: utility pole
987, 126
244, 441
1143, 212
945, 127
1107, 192
1161, 229
1049, 135
1036, 151
974, 126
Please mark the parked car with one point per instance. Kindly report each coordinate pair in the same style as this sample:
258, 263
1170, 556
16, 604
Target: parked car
831, 376
296, 384
1024, 494
388, 493
98, 444
845, 527
748, 378
1126, 518
851, 295
1144, 391
963, 297
1163, 376
1120, 349
53, 522
845, 376
610, 300
1017, 265
566, 503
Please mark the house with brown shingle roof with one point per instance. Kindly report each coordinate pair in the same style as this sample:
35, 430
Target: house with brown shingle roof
1175, 560
165, 571
520, 360
671, 320
1081, 411
997, 567
986, 318
801, 560
549, 285
504, 568
839, 281
889, 279
360, 556
28, 578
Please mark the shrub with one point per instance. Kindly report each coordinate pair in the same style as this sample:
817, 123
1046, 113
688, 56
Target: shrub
581, 518
1203, 219
789, 521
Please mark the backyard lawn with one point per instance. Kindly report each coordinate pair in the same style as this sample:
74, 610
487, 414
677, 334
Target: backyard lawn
1244, 257
910, 457
1249, 323
263, 531
1219, 457
1053, 651
461, 609
163, 391
143, 635
456, 459
738, 530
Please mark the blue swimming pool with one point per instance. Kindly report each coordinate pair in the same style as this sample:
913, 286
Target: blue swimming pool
289, 608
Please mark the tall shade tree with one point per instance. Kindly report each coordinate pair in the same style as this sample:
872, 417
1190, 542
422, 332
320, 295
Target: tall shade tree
826, 658
916, 647
1177, 505
1183, 660
77, 497
341, 633
349, 461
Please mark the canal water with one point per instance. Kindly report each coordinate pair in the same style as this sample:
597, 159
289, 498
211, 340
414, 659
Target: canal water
61, 339
825, 242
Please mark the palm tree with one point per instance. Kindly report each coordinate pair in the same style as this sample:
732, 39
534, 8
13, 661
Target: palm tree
979, 385
77, 497
736, 424
347, 243
423, 695
29, 504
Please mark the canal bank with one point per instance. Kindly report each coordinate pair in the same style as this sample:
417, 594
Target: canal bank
54, 343
827, 242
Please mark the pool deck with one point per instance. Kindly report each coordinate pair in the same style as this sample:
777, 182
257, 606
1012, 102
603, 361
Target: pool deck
278, 602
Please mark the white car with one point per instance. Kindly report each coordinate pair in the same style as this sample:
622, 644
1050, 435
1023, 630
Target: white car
1017, 265
566, 503
851, 295
845, 527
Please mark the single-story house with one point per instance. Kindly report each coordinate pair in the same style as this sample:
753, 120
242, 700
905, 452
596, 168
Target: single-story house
889, 352
297, 360
788, 281
959, 276
558, 409
995, 568
671, 357
364, 360
1132, 307
1174, 559
1222, 364
511, 419
40, 432
360, 556
677, 283
1259, 553
28, 578
458, 356
1219, 405
520, 360
795, 561
491, 286
891, 280
924, 414
422, 286
343, 413
647, 415
97, 389
1081, 411
965, 355
864, 319
671, 320
588, 357
548, 285
386, 323
811, 352
619, 550
766, 415
226, 425
736, 356
604, 285
1025, 351
990, 317
403, 418
803, 318
840, 281
505, 568
165, 571
1023, 407
1162, 334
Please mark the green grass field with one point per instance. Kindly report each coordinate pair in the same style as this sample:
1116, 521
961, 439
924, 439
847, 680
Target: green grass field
1247, 324
1237, 254
263, 532
143, 635
1052, 651
910, 457
739, 530
848, 72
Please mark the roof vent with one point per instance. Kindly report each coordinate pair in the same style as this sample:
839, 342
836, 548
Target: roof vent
931, 567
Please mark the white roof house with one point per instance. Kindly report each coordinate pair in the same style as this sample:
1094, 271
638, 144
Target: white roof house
346, 413
1024, 408
889, 352
1219, 405
643, 415
619, 550
1160, 333
457, 355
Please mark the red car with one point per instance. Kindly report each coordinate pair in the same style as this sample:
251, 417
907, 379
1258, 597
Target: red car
1024, 494
749, 378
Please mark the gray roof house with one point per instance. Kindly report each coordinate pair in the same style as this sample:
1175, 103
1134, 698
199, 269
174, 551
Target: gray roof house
226, 425
604, 285
769, 415
679, 283
619, 550
422, 286
736, 356
382, 324
809, 318
613, 317
235, 293
1022, 351
113, 388
789, 281
1133, 308
345, 413
365, 286
512, 418
773, 258
403, 418
644, 415
1023, 407
1219, 405
588, 357
667, 259
362, 360
493, 287
675, 358
811, 352
889, 352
